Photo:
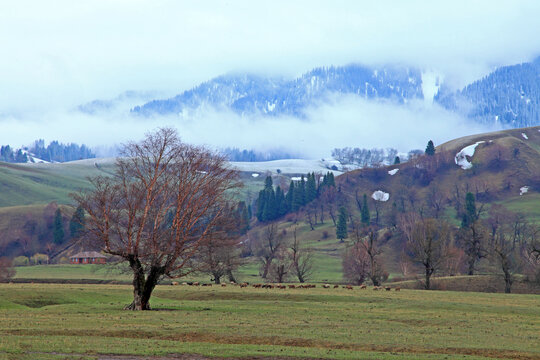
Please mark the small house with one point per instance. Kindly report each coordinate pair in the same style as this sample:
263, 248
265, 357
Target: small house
88, 257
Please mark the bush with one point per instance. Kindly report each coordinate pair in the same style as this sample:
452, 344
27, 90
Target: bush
21, 261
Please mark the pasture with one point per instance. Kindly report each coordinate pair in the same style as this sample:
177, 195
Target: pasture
59, 321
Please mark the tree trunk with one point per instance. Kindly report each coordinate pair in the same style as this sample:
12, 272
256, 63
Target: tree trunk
429, 271
142, 287
230, 275
471, 265
507, 276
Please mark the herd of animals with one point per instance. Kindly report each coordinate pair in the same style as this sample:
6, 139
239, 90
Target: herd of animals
281, 286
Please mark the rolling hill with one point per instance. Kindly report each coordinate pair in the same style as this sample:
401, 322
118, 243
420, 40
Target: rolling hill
504, 169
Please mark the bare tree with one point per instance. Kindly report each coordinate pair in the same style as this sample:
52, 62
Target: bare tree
302, 259
280, 267
219, 253
310, 214
428, 243
163, 201
355, 264
511, 247
7, 271
435, 200
270, 244
367, 241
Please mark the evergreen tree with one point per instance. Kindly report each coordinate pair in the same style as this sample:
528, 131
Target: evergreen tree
77, 222
311, 188
331, 180
430, 148
397, 160
261, 202
243, 217
364, 215
341, 226
298, 196
58, 228
470, 216
269, 210
289, 197
281, 206
302, 191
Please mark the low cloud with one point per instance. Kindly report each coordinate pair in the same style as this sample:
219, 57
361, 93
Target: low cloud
342, 121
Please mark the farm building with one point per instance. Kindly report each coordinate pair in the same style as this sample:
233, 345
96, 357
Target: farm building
88, 257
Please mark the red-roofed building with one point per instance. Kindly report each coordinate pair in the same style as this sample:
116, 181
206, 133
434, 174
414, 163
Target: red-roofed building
88, 257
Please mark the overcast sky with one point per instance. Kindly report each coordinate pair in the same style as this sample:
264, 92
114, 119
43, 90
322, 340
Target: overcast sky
58, 54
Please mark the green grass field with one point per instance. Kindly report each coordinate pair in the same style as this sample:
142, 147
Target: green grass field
86, 321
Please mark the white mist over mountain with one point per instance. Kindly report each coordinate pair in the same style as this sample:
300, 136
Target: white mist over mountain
58, 57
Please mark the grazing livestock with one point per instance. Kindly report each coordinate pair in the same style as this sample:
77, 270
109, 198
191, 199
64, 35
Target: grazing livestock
326, 286
196, 283
375, 288
243, 285
397, 289
174, 283
336, 286
292, 286
223, 285
388, 288
349, 287
363, 286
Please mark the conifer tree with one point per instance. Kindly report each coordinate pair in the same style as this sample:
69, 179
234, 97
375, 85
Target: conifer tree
302, 191
341, 226
243, 217
280, 203
261, 203
289, 197
58, 232
397, 160
470, 215
430, 148
364, 216
76, 224
311, 188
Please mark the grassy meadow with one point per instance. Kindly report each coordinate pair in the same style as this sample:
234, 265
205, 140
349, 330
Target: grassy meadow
87, 322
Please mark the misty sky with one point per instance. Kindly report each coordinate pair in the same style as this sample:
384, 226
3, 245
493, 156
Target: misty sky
59, 54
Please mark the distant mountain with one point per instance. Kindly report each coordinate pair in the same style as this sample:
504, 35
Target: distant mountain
127, 98
508, 96
254, 94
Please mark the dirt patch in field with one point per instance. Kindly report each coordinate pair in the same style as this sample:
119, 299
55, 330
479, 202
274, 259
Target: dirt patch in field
280, 341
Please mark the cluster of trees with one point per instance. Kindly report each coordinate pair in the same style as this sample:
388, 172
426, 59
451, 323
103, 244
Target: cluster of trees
47, 232
7, 154
272, 204
365, 157
503, 240
282, 255
235, 154
59, 152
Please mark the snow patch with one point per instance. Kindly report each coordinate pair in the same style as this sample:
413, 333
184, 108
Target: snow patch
431, 84
525, 136
393, 172
461, 157
255, 175
523, 190
380, 196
